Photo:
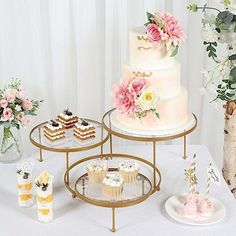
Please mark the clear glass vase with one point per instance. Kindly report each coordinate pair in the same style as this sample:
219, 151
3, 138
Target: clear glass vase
11, 146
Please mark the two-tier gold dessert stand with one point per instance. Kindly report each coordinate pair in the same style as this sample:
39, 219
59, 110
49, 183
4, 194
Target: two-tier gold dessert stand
68, 145
133, 193
110, 125
143, 187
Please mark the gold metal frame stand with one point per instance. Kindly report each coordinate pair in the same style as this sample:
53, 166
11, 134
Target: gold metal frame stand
107, 203
38, 143
107, 124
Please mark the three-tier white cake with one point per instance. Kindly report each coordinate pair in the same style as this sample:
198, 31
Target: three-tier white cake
149, 95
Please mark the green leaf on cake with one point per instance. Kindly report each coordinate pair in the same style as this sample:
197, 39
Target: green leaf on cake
149, 15
175, 51
150, 18
154, 111
157, 115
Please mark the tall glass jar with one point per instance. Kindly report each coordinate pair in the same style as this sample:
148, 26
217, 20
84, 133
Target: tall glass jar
11, 146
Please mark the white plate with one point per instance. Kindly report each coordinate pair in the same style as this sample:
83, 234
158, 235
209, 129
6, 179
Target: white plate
174, 207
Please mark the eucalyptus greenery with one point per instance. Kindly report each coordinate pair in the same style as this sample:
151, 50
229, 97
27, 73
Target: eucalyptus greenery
220, 28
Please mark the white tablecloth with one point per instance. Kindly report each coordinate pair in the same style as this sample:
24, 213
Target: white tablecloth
74, 217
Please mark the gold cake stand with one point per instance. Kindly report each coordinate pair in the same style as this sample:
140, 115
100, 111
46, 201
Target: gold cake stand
69, 144
143, 186
110, 125
133, 193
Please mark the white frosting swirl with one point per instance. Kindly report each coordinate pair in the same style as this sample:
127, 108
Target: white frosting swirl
66, 117
129, 166
113, 180
97, 166
49, 126
82, 127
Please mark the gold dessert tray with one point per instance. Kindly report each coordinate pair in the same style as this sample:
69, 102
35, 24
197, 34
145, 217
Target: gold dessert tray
70, 143
133, 193
143, 187
146, 183
183, 131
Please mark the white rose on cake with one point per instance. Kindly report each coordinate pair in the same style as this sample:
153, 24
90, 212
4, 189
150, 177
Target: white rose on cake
148, 99
209, 34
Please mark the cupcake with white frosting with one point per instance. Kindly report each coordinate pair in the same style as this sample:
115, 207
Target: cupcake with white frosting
97, 170
112, 185
129, 170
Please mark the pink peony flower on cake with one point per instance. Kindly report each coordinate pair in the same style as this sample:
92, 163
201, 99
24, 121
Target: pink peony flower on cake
154, 33
171, 27
3, 103
138, 84
7, 114
27, 105
124, 99
26, 121
20, 117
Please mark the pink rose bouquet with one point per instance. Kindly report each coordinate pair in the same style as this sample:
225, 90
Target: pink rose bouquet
15, 109
135, 97
163, 27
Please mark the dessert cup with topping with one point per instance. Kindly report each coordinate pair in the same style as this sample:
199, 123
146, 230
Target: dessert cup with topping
129, 170
112, 185
97, 170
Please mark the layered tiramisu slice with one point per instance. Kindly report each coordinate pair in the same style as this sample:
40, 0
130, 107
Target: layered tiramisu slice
84, 131
67, 119
54, 131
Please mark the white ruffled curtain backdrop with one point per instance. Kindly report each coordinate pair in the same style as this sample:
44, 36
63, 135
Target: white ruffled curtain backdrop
70, 53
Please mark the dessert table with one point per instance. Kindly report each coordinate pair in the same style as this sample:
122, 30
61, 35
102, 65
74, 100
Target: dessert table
72, 216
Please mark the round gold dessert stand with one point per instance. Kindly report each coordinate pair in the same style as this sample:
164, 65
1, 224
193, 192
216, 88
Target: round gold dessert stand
37, 139
154, 138
89, 193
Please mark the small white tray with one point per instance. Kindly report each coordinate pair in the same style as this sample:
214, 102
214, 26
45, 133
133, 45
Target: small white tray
174, 206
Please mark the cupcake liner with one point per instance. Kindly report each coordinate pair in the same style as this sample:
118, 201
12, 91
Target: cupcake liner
96, 177
112, 192
129, 177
